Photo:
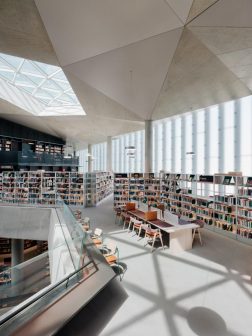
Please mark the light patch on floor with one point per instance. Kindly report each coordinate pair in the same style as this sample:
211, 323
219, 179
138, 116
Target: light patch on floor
206, 291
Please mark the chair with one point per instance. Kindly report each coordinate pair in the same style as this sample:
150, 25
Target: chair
111, 254
196, 231
97, 237
118, 213
137, 226
153, 235
131, 223
125, 218
143, 227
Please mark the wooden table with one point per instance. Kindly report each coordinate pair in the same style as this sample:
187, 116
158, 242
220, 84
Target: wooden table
180, 235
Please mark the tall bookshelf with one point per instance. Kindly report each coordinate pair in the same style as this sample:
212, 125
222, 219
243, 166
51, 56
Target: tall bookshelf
222, 201
98, 185
40, 187
121, 190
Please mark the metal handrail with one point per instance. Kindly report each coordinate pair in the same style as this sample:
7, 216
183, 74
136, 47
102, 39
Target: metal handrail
40, 296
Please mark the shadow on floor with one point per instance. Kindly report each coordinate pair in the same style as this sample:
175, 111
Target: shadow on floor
93, 318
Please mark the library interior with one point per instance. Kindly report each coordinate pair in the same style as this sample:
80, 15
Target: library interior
126, 167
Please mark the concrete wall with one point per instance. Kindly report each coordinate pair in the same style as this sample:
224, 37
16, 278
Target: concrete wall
24, 222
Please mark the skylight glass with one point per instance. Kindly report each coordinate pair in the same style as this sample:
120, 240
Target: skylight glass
44, 83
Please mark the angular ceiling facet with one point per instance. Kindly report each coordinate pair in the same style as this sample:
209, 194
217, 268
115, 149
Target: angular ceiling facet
135, 72
196, 79
226, 13
198, 7
81, 29
22, 32
181, 8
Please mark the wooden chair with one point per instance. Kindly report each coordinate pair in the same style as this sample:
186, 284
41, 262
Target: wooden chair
143, 227
196, 231
97, 237
152, 235
137, 226
125, 219
118, 213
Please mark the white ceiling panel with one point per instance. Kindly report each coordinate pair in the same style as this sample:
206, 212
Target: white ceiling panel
133, 75
181, 8
96, 104
199, 6
80, 29
226, 13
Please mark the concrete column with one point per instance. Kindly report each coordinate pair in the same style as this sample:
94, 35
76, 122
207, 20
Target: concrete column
17, 257
148, 147
109, 153
90, 165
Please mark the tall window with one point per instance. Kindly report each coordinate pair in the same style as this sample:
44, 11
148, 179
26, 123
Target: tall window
122, 162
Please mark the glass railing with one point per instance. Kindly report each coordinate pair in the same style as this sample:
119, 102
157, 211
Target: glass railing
29, 286
46, 158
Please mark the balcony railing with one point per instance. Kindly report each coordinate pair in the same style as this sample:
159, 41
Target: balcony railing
37, 159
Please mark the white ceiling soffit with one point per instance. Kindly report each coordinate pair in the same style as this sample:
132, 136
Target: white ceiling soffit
132, 75
96, 104
181, 8
22, 32
196, 79
90, 130
226, 13
198, 7
80, 29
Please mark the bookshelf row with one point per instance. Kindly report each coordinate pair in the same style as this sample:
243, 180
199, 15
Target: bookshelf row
41, 187
222, 201
98, 185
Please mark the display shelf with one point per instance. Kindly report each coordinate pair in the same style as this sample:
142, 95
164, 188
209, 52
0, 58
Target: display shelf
40, 187
98, 185
121, 190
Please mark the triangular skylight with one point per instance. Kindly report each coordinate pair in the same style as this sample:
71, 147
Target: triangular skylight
44, 83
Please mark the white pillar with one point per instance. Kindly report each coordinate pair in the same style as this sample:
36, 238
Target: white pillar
148, 146
109, 153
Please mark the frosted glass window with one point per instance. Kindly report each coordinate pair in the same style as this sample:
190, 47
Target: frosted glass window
200, 115
178, 145
159, 147
246, 135
214, 132
167, 144
188, 143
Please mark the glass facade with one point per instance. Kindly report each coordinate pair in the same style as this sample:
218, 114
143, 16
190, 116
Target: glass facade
99, 156
207, 141
121, 160
211, 140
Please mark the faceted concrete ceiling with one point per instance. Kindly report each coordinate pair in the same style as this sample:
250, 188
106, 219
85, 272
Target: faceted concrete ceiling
129, 61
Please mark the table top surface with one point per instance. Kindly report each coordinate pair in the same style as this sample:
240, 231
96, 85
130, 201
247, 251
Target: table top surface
163, 225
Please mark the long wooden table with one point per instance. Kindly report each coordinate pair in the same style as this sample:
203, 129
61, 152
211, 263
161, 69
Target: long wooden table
180, 235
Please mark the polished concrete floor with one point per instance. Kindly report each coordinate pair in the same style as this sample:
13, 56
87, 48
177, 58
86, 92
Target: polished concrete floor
206, 291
